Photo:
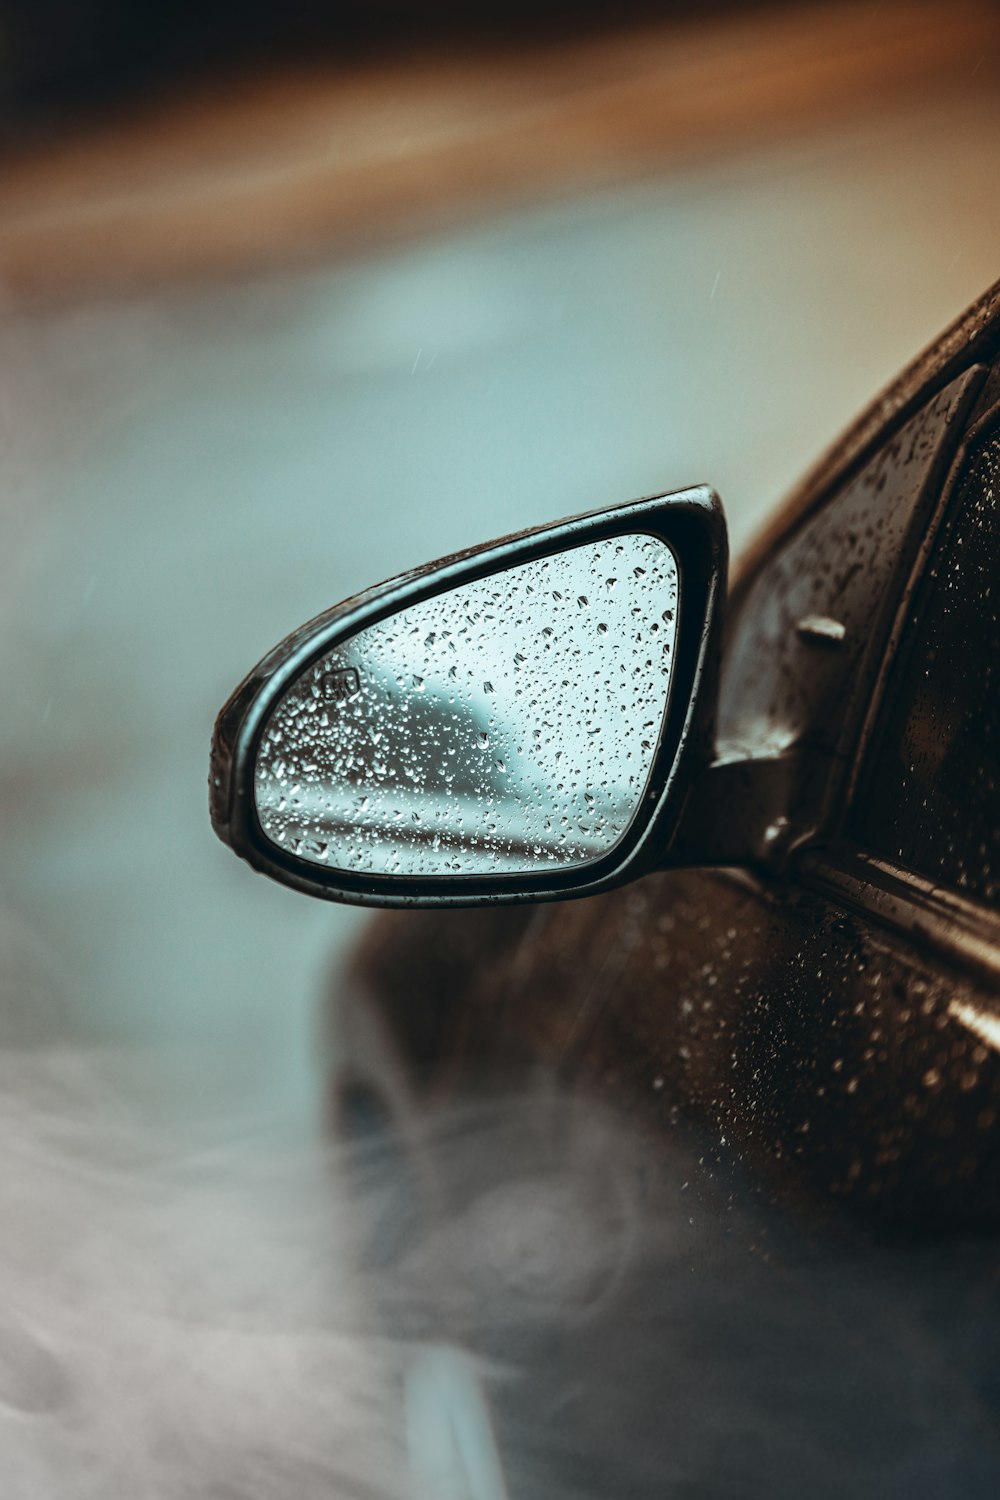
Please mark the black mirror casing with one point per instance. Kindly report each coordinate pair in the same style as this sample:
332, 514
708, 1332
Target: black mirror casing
689, 522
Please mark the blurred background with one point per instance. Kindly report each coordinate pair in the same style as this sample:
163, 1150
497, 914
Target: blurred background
292, 298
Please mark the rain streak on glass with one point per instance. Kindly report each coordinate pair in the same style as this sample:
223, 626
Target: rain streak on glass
507, 726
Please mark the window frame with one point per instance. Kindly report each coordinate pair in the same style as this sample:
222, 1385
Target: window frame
957, 924
799, 791
915, 598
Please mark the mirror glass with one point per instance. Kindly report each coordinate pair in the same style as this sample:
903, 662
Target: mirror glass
507, 726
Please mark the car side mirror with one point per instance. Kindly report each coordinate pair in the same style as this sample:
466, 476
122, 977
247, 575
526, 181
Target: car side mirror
521, 722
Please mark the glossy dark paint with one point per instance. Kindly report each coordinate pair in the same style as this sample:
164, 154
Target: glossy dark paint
818, 1012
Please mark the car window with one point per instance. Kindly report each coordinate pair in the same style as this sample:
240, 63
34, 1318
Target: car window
932, 798
813, 624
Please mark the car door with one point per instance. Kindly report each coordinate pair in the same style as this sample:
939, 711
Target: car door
915, 866
779, 1005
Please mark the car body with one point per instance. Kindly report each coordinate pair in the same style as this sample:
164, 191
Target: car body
831, 1014
576, 1128
815, 976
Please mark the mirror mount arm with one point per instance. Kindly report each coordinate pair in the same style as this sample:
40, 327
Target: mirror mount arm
737, 812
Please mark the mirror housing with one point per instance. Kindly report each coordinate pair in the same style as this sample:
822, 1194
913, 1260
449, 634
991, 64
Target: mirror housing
688, 524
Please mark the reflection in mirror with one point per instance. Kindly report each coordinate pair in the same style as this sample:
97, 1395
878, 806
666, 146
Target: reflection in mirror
507, 726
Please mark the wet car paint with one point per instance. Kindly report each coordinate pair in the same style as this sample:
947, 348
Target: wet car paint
845, 1046
799, 1071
